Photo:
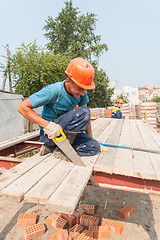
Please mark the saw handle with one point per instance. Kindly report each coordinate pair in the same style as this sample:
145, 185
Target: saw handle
62, 136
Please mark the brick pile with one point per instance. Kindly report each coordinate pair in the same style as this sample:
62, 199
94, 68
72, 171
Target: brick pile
151, 112
81, 225
97, 113
138, 111
128, 111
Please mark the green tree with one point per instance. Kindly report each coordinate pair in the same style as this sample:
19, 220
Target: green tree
156, 99
122, 96
34, 68
101, 95
74, 32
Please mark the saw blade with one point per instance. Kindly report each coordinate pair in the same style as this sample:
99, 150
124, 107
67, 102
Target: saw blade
67, 148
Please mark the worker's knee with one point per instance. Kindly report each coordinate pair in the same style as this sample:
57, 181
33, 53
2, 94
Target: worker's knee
86, 145
83, 111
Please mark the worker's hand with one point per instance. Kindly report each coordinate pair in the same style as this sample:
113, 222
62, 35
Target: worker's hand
52, 130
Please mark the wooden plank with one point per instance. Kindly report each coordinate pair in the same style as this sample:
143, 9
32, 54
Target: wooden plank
150, 143
101, 127
20, 139
155, 135
105, 161
12, 159
123, 161
76, 179
16, 190
49, 183
66, 196
17, 171
141, 161
96, 123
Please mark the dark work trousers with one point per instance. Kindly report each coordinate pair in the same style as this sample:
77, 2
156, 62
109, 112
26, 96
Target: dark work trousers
76, 120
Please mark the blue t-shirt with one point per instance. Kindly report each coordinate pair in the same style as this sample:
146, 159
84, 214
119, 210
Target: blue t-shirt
56, 101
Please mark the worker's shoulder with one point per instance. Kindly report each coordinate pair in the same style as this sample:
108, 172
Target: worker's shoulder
115, 109
53, 85
53, 88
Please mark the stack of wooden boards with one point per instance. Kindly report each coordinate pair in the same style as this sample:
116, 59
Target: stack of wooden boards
59, 184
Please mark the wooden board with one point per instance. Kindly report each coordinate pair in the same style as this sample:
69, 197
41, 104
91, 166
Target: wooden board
78, 176
58, 184
132, 133
123, 163
14, 173
141, 161
17, 189
150, 143
25, 137
41, 192
105, 161
65, 197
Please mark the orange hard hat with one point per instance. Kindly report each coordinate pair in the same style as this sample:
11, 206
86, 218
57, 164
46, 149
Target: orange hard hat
81, 72
120, 100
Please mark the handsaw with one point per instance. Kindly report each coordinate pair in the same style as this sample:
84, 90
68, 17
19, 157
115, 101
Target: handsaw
63, 143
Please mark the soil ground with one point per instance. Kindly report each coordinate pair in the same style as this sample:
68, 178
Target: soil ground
144, 224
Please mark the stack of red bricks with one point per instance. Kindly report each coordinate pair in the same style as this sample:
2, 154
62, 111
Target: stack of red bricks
81, 225
97, 113
151, 112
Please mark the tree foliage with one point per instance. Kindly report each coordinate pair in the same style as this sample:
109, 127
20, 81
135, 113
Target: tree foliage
101, 95
156, 99
122, 96
33, 68
74, 32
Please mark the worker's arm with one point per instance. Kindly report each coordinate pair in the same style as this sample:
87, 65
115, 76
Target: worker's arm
89, 128
26, 109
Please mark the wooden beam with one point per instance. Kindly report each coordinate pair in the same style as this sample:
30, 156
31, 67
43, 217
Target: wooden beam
10, 159
23, 138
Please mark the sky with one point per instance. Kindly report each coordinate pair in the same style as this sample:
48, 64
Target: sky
130, 28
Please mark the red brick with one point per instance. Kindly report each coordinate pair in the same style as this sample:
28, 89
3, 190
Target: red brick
81, 198
113, 226
126, 211
71, 220
27, 219
73, 235
89, 209
61, 223
34, 231
85, 235
76, 228
88, 220
52, 219
60, 235
55, 221
77, 214
81, 211
88, 233
99, 231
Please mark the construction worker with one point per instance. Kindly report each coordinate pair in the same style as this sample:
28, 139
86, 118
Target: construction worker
116, 112
59, 101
